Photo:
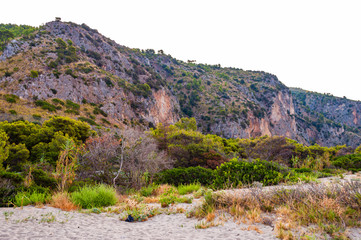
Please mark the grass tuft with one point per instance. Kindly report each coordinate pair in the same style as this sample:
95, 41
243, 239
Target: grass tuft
186, 189
34, 198
94, 196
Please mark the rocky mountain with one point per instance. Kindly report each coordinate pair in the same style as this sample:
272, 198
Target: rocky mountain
72, 70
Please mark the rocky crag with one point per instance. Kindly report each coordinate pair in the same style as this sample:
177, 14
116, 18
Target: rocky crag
69, 69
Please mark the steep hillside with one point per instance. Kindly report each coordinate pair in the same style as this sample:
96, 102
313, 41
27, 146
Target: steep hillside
70, 69
328, 119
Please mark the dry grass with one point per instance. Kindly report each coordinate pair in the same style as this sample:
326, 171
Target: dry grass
210, 216
61, 200
254, 215
254, 228
330, 208
162, 189
151, 200
204, 224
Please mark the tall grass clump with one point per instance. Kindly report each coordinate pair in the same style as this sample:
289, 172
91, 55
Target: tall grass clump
190, 188
30, 198
94, 196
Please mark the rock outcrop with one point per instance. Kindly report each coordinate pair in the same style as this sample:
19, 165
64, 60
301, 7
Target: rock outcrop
141, 87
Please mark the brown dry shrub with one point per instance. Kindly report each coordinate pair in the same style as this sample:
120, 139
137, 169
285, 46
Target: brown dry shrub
210, 216
163, 189
151, 200
61, 200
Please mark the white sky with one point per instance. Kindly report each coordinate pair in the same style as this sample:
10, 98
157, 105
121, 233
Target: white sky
311, 44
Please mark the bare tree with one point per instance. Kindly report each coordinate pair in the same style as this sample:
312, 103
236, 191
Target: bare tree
140, 158
101, 155
128, 157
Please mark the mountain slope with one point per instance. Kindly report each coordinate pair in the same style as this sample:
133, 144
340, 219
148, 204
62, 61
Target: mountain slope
82, 74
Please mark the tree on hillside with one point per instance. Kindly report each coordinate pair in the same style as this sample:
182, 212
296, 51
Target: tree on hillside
274, 148
4, 151
5, 36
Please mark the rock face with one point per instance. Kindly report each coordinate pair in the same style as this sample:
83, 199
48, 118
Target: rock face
133, 86
326, 119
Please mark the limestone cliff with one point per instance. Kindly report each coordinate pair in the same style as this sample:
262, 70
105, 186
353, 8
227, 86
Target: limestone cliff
115, 85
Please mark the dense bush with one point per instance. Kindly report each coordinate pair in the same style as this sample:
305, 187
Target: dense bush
34, 74
190, 147
72, 105
182, 176
238, 172
10, 184
11, 98
66, 52
75, 129
350, 162
94, 196
43, 179
88, 120
45, 105
26, 142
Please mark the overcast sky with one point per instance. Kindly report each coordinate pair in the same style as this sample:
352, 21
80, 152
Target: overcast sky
311, 44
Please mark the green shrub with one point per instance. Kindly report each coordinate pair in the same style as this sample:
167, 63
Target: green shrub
58, 101
185, 189
148, 191
72, 111
45, 105
34, 74
97, 111
94, 196
36, 116
14, 178
72, 105
302, 170
179, 176
42, 179
11, 98
13, 112
351, 162
27, 198
10, 184
88, 120
71, 73
238, 172
53, 64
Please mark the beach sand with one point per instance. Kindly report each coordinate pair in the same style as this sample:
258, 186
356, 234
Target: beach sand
51, 223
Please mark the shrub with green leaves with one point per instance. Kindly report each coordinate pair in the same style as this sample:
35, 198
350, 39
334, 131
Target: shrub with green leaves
179, 176
351, 162
238, 172
45, 105
43, 179
148, 191
11, 98
34, 74
94, 196
10, 184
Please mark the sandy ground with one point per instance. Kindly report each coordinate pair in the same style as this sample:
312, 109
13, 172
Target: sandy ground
51, 223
